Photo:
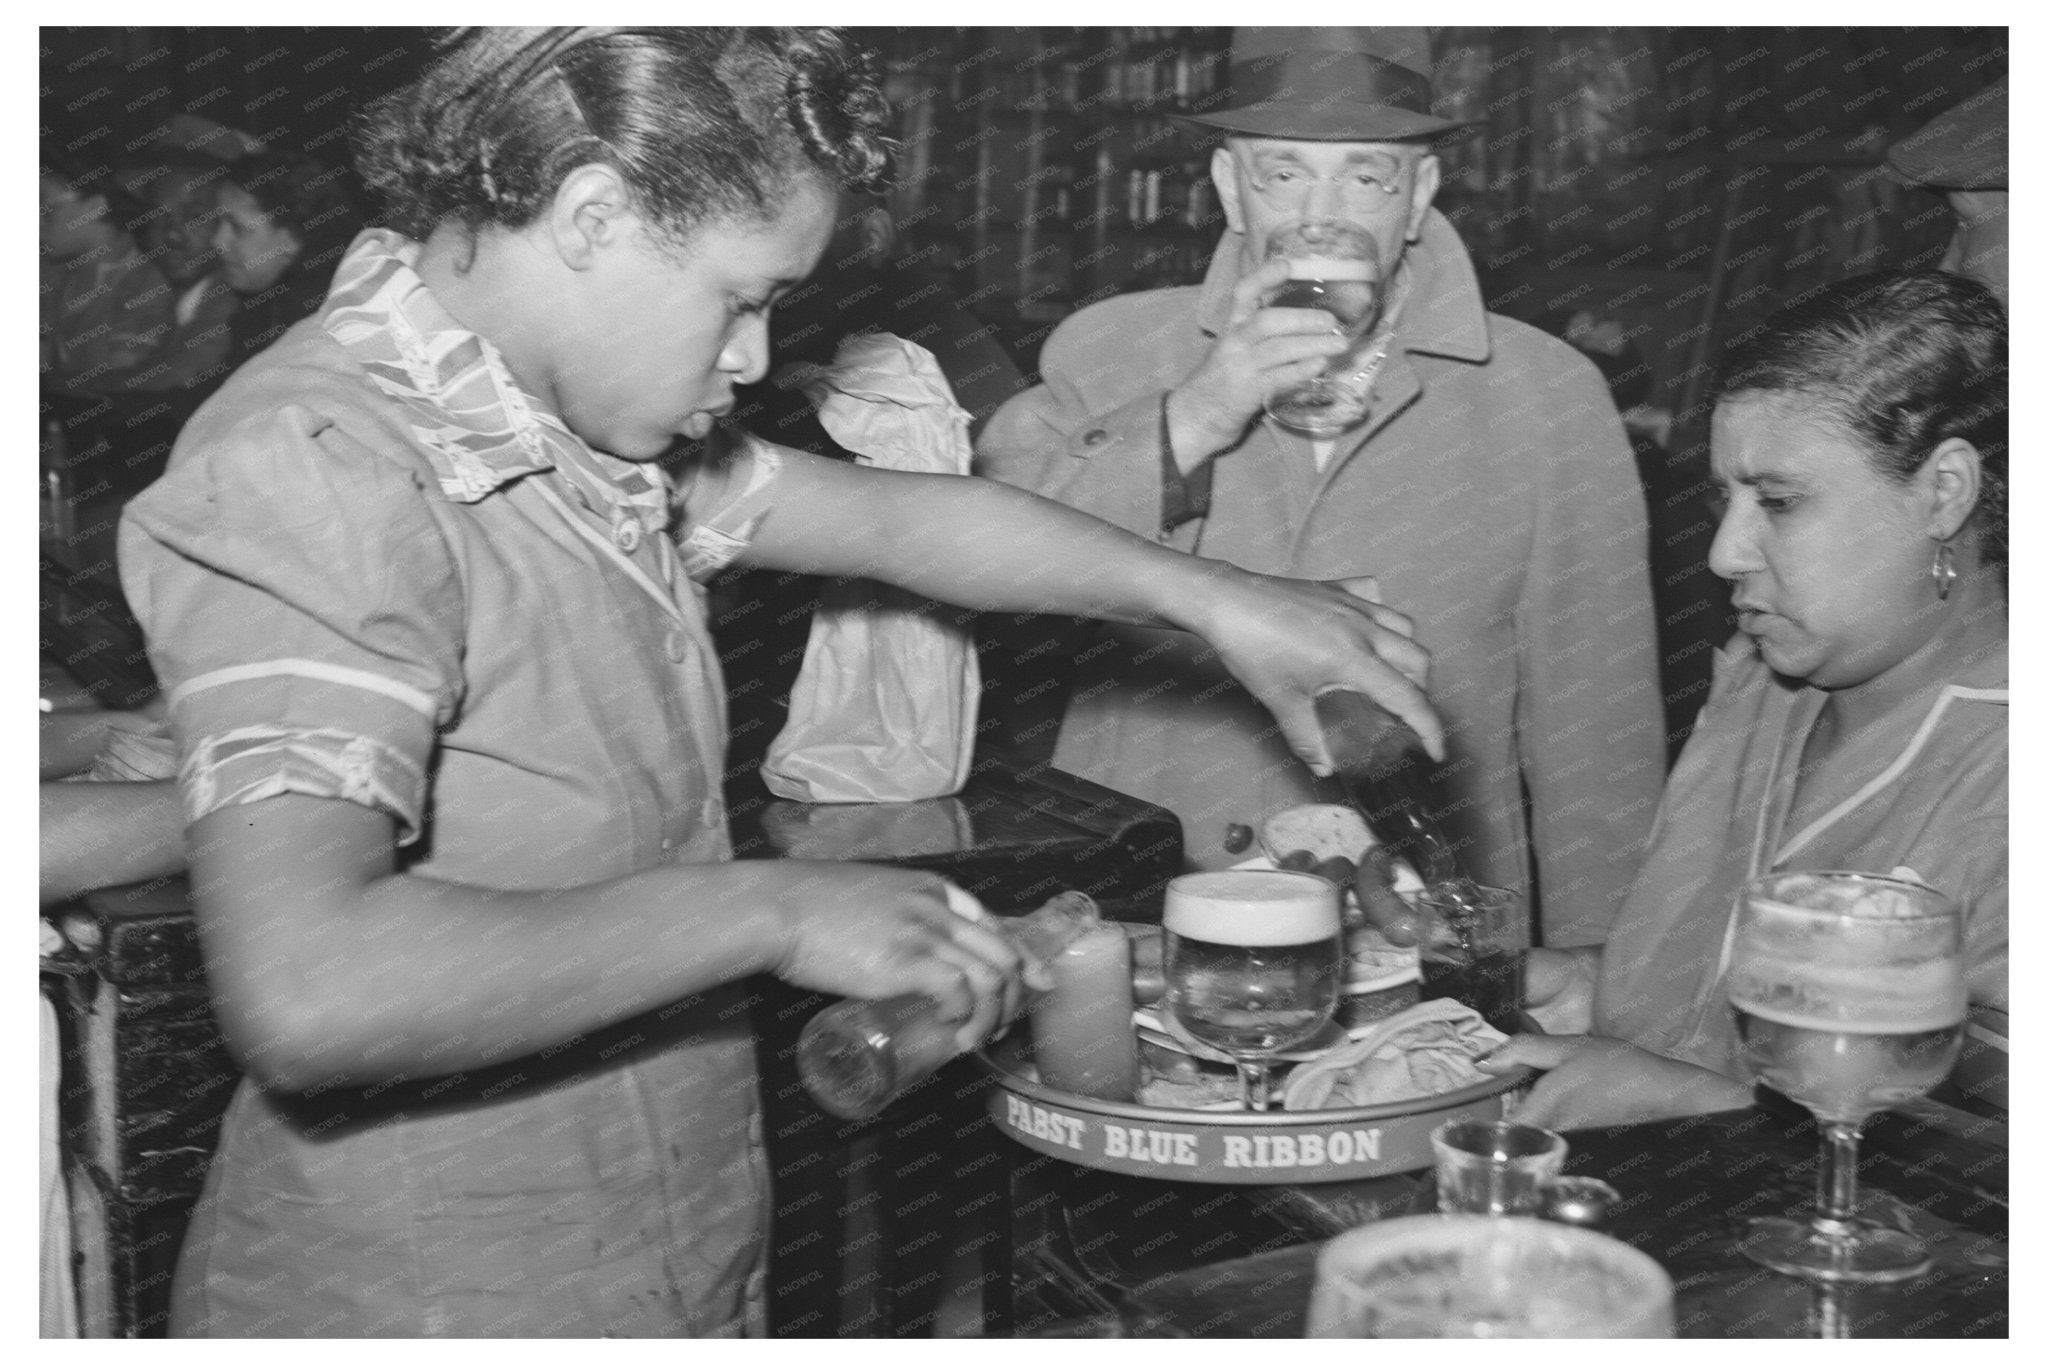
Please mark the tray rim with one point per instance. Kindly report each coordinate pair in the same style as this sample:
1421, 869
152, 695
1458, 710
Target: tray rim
987, 1058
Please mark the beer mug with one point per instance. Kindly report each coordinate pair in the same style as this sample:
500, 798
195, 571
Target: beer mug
1469, 1275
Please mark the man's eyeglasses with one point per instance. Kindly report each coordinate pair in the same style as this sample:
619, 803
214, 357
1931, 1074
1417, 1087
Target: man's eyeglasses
1358, 188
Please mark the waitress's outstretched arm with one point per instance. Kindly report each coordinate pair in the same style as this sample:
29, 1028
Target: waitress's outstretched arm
976, 543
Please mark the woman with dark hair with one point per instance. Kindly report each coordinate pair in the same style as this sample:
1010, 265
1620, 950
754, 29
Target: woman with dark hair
427, 608
282, 221
1858, 720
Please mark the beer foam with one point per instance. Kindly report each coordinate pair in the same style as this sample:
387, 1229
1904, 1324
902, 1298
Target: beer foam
1330, 268
1865, 1021
1805, 895
1253, 908
1907, 998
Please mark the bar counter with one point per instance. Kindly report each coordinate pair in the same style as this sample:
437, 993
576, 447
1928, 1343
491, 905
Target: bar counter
1122, 1256
928, 1221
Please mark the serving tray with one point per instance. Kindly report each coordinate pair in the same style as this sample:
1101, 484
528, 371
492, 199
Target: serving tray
1212, 1147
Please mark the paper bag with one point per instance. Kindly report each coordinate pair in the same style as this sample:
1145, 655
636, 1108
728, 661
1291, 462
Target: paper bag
883, 708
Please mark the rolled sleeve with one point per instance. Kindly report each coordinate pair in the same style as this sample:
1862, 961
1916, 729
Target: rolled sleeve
724, 502
304, 613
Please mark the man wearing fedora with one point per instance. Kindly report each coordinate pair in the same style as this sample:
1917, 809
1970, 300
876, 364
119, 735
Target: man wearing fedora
1961, 153
1488, 490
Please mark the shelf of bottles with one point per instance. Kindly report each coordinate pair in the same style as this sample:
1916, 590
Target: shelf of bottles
1048, 164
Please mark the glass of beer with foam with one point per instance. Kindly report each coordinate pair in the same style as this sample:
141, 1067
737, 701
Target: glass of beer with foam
1254, 960
1334, 266
1848, 996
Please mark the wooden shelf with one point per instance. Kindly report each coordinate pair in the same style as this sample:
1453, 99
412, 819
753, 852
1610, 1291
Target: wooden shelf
1060, 174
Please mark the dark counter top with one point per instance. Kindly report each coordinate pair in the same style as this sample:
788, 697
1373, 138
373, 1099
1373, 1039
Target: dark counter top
1687, 1185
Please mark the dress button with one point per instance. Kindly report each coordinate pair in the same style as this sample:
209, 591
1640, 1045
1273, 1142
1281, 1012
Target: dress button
667, 843
676, 647
1094, 436
627, 534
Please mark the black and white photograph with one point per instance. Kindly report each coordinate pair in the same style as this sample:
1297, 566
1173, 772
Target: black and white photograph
963, 683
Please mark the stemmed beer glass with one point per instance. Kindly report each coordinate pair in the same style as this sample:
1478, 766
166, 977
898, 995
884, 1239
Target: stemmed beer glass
1848, 997
1254, 961
1335, 266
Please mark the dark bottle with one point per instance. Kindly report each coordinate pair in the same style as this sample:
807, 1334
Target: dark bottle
1386, 772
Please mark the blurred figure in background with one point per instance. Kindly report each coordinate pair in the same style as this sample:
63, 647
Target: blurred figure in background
1961, 153
284, 220
250, 245
108, 331
159, 280
180, 194
105, 311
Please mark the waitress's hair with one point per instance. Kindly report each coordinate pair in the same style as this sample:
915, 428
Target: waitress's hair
1901, 362
703, 124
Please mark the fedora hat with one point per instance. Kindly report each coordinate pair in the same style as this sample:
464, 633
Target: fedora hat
1333, 84
1962, 148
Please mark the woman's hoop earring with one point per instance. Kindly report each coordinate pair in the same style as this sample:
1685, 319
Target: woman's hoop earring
1943, 571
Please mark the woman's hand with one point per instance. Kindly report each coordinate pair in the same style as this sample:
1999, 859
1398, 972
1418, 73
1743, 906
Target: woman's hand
1592, 1082
71, 739
1288, 640
862, 930
1558, 985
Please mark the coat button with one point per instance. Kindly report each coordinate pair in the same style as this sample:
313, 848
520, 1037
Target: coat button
1094, 436
676, 647
626, 535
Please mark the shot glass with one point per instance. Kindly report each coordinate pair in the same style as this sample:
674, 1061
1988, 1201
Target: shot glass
1495, 1168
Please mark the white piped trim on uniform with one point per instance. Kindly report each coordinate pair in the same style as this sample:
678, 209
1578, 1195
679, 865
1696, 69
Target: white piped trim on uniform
309, 668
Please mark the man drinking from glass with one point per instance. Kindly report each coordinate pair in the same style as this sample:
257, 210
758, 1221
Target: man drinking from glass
1486, 485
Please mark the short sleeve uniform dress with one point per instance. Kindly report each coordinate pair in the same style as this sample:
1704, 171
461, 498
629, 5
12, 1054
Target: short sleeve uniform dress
1921, 794
376, 573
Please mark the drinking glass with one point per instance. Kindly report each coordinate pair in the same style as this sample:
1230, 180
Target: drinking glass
1335, 266
1254, 960
1495, 1168
1476, 950
1469, 1275
1848, 997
